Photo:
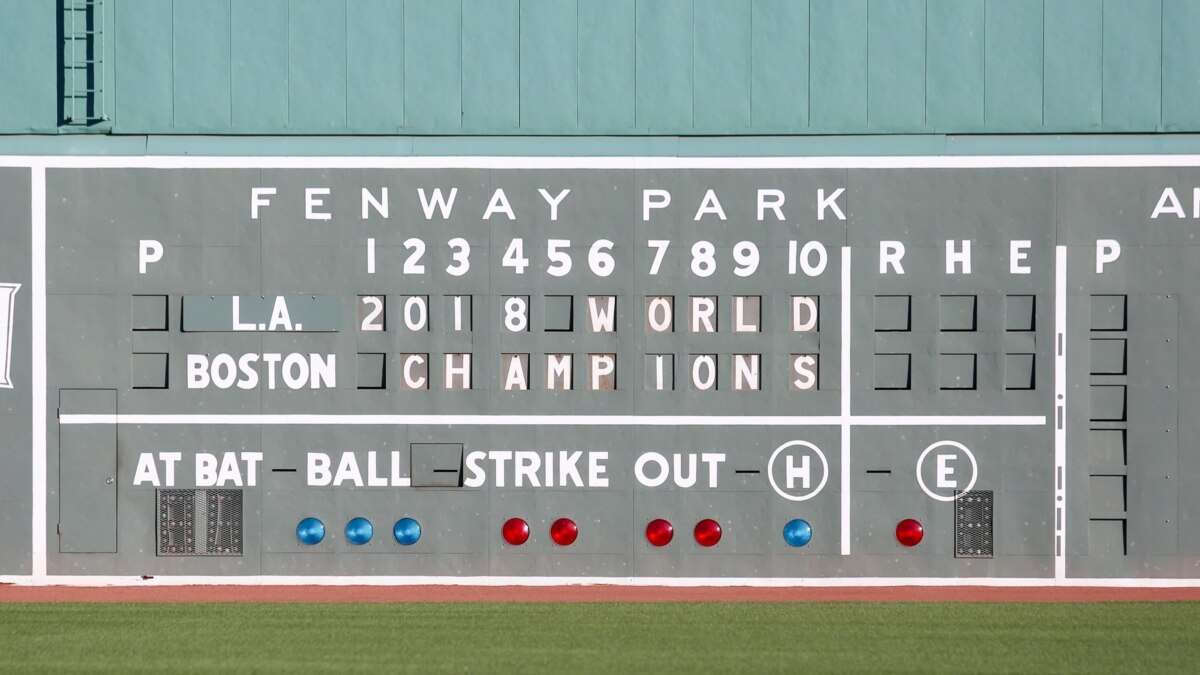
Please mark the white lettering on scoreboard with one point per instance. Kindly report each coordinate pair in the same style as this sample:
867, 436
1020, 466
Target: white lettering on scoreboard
797, 470
809, 258
294, 371
229, 469
8, 306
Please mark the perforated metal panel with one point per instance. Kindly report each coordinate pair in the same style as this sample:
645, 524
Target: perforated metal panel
176, 522
973, 524
223, 533
181, 512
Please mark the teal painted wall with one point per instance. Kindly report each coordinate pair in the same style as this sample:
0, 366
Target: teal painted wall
28, 67
624, 67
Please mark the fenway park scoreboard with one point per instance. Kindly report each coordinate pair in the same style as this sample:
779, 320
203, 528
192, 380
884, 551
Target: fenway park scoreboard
653, 370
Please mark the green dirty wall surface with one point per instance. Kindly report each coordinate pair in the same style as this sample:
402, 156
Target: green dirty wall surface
641, 67
28, 67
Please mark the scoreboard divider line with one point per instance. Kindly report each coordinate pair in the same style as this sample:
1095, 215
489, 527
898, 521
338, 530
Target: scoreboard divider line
350, 419
38, 347
1060, 412
844, 367
678, 582
600, 162
946, 420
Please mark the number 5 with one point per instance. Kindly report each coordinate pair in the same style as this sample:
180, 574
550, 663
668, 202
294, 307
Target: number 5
560, 261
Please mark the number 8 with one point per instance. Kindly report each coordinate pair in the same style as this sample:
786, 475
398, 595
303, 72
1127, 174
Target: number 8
703, 263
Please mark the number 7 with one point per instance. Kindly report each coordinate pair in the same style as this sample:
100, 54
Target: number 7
661, 250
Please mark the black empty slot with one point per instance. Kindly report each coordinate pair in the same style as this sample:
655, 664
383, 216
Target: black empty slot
879, 471
747, 471
445, 470
283, 470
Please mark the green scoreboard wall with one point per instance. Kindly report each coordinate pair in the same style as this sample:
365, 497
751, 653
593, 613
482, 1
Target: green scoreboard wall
916, 303
214, 354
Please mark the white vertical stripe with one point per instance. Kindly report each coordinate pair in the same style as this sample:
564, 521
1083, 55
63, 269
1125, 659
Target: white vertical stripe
38, 362
1060, 412
845, 370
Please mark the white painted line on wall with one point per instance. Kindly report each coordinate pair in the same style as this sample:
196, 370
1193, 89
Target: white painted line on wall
583, 162
38, 368
947, 420
844, 366
350, 419
1060, 412
677, 582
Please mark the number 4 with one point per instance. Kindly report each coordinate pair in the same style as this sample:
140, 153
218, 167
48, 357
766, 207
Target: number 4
514, 256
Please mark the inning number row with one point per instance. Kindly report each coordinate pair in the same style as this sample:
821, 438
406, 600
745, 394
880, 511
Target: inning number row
811, 258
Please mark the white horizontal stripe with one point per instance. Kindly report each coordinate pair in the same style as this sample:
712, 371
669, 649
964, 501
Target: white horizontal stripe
677, 582
465, 420
628, 162
556, 420
947, 420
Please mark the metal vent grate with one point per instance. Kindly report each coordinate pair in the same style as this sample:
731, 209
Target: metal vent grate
176, 522
973, 524
217, 513
224, 531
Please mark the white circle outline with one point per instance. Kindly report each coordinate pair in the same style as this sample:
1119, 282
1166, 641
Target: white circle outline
771, 474
953, 444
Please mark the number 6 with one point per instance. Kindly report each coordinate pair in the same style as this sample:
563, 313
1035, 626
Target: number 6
600, 260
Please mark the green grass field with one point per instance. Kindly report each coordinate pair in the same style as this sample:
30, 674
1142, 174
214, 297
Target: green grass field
587, 638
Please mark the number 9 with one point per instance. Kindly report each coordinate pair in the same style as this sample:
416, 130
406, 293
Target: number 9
745, 254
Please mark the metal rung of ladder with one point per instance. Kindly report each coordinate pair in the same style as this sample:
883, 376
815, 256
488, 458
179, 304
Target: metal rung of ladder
84, 65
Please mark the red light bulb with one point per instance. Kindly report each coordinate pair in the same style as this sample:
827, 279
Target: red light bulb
659, 532
708, 532
564, 531
515, 531
909, 532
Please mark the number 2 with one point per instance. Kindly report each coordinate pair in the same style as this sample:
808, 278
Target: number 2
373, 320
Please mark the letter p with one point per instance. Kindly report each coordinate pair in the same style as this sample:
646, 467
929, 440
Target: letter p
149, 251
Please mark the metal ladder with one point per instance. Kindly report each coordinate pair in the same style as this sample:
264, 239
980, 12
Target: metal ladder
83, 59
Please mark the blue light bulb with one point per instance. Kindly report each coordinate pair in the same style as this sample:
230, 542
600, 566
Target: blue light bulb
797, 532
359, 531
310, 531
407, 531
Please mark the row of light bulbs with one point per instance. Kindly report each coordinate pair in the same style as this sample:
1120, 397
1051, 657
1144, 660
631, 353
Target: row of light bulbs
564, 532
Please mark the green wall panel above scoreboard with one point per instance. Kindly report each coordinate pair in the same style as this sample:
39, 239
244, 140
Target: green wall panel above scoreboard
28, 48
677, 67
